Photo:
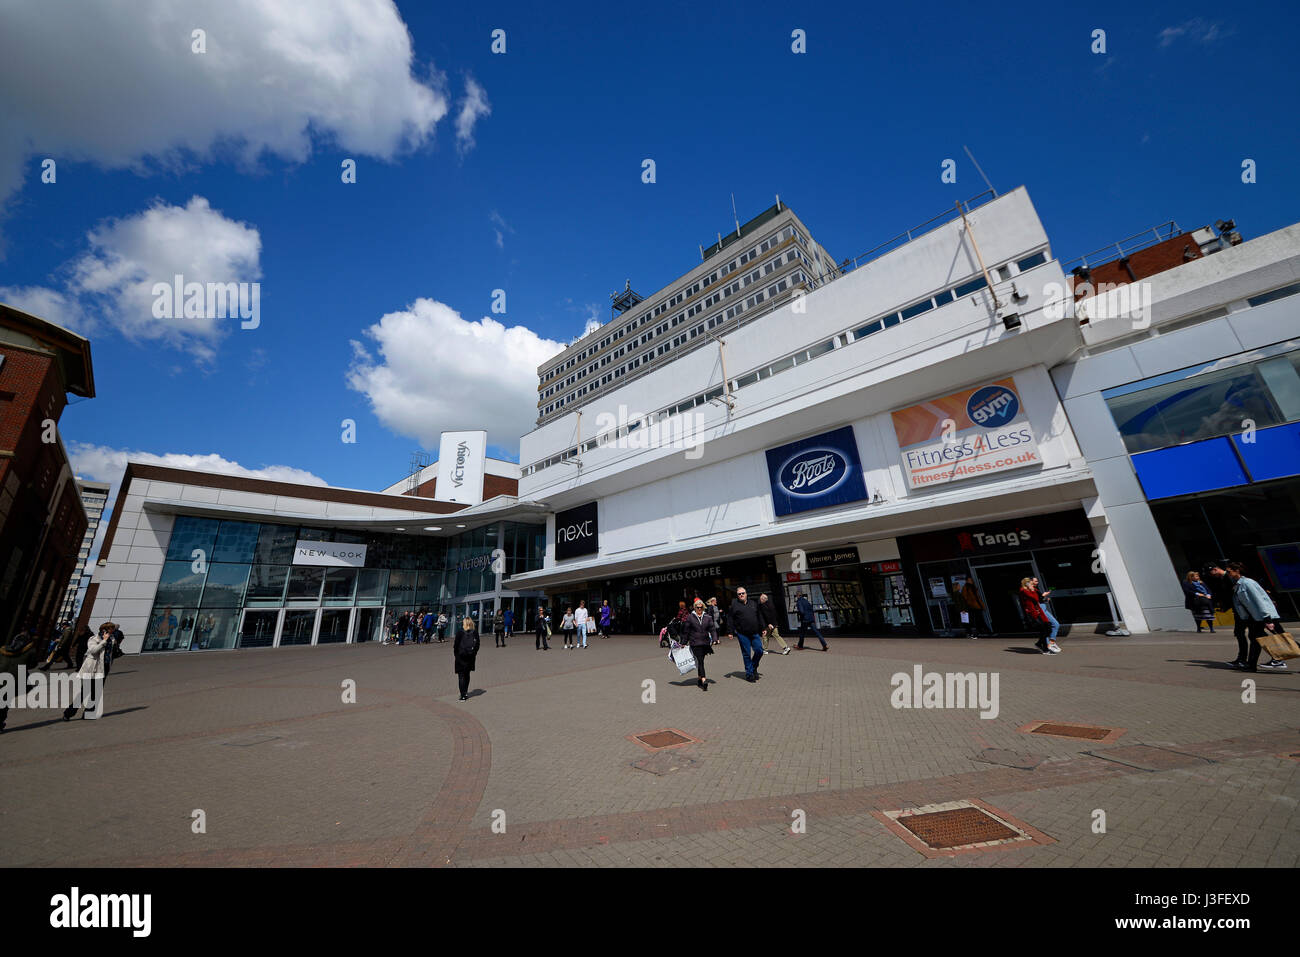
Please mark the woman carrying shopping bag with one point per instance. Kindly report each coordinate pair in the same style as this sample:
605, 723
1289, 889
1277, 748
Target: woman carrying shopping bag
699, 632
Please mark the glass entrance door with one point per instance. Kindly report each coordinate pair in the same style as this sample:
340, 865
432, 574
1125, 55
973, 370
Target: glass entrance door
257, 628
1000, 585
370, 625
334, 625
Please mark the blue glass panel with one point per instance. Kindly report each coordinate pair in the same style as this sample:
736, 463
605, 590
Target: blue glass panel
1184, 469
1274, 453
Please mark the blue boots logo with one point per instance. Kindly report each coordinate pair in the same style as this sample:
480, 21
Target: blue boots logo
992, 406
813, 472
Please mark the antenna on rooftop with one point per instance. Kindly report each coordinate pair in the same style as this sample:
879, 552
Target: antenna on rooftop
420, 460
978, 170
733, 213
625, 300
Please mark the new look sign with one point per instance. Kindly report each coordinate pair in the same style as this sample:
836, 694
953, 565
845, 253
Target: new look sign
576, 532
332, 554
816, 472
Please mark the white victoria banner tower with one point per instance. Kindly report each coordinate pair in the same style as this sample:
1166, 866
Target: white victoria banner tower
462, 459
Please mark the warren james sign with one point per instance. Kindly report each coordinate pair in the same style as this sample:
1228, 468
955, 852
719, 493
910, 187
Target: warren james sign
816, 472
576, 532
969, 433
333, 554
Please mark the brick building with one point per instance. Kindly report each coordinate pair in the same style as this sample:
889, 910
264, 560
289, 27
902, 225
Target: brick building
42, 520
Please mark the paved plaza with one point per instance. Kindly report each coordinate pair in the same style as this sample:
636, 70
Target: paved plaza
540, 767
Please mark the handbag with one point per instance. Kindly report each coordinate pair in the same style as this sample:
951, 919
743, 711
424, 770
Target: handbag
1279, 643
684, 659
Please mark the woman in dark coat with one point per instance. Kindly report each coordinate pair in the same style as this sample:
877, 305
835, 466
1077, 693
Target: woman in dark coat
699, 631
465, 648
1199, 601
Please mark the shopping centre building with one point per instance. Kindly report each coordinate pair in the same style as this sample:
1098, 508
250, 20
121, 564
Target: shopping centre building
196, 560
903, 437
906, 439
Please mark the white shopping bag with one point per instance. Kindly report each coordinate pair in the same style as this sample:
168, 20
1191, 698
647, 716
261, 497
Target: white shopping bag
965, 618
684, 659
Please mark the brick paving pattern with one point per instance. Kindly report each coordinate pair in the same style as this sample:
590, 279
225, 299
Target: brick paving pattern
540, 766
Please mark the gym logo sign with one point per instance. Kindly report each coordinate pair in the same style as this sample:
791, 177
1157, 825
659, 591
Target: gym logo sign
992, 405
577, 532
816, 472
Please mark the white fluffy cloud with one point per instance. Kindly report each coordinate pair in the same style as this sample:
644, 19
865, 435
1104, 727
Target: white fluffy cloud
126, 257
437, 371
117, 82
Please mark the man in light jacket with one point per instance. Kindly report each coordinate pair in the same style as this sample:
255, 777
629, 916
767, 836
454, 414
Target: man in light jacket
92, 678
1253, 607
580, 619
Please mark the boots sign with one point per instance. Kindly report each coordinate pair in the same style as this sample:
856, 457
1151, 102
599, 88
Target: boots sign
576, 532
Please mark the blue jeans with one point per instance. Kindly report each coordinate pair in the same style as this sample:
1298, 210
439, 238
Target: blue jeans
805, 626
751, 649
1056, 625
581, 638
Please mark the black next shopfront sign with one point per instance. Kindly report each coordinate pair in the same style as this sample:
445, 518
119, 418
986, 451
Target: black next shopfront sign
577, 532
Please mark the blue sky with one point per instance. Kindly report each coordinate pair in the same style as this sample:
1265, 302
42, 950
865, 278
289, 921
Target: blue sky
479, 171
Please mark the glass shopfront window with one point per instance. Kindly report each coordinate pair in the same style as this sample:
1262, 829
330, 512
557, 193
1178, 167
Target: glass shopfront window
247, 592
1208, 400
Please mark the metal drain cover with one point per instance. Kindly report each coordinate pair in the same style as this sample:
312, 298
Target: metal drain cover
663, 738
960, 827
1071, 729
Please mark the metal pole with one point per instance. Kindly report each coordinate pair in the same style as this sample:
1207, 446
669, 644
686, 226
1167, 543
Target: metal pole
987, 278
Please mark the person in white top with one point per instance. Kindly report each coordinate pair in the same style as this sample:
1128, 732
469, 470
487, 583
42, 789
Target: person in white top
580, 619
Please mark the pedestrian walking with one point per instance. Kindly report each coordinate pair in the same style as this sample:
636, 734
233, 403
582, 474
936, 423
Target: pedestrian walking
700, 633
63, 650
567, 627
606, 619
442, 627
767, 613
1198, 601
581, 618
1254, 614
1038, 617
719, 618
499, 628
465, 650
747, 625
92, 675
509, 622
972, 606
807, 621
543, 628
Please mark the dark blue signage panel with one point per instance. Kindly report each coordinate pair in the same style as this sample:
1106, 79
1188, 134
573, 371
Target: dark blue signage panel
1184, 469
816, 472
1273, 453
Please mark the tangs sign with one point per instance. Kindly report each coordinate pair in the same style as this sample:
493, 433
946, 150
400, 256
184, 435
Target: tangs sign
816, 472
576, 532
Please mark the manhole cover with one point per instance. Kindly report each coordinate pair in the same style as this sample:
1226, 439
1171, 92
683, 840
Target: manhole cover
1071, 729
957, 828
663, 738
1067, 731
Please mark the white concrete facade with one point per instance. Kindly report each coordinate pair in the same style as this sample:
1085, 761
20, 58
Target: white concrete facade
661, 506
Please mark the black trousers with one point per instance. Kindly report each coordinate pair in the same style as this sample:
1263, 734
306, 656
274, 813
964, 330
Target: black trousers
700, 652
463, 677
1248, 648
541, 638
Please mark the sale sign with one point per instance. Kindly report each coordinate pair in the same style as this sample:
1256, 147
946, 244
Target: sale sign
974, 432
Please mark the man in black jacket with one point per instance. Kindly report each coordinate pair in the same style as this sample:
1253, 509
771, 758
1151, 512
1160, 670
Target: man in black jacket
747, 626
767, 611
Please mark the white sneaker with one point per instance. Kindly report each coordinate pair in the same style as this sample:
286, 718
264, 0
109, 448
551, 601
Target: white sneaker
786, 652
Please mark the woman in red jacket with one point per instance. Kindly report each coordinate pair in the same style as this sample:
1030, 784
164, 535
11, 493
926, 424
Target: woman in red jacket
1031, 604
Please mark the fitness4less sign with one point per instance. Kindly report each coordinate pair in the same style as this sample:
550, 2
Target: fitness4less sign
973, 432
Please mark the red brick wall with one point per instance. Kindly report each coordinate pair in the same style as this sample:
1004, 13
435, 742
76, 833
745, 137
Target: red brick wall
1145, 262
30, 392
493, 485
